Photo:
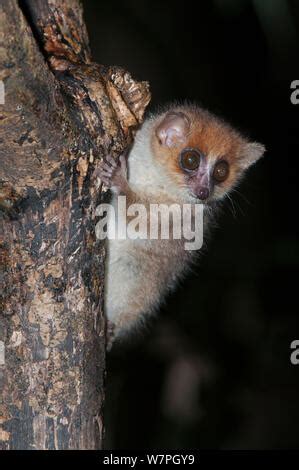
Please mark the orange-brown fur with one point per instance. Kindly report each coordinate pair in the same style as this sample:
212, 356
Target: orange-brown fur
209, 134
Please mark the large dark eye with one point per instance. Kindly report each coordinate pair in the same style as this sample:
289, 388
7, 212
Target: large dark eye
221, 170
190, 159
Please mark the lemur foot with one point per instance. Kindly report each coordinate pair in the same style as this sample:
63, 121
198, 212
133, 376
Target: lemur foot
113, 174
110, 335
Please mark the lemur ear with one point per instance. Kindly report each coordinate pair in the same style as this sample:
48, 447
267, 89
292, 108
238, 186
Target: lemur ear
173, 130
252, 152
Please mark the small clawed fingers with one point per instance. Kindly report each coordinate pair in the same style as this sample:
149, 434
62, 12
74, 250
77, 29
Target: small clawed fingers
111, 161
111, 171
106, 167
105, 174
106, 181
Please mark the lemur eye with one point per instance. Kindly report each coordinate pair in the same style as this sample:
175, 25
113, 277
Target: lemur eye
221, 170
190, 159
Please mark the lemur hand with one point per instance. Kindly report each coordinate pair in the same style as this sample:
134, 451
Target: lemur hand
113, 174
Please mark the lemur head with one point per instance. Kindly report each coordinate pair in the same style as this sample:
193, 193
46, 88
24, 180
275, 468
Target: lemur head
203, 154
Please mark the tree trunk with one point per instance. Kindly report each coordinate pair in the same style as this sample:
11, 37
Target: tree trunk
61, 115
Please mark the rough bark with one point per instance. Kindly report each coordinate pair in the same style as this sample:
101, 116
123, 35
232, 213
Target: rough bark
62, 114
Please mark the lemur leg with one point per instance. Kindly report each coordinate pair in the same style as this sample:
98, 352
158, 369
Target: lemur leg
113, 173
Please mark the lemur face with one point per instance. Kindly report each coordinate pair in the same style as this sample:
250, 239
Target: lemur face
203, 154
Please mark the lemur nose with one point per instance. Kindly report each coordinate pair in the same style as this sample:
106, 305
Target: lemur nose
203, 193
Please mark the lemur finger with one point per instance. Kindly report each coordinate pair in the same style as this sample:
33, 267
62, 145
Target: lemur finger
105, 174
112, 161
106, 181
107, 166
107, 171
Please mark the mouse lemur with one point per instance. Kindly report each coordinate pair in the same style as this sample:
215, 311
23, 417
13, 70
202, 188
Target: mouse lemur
184, 155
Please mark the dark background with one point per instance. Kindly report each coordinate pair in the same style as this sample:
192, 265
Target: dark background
213, 369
